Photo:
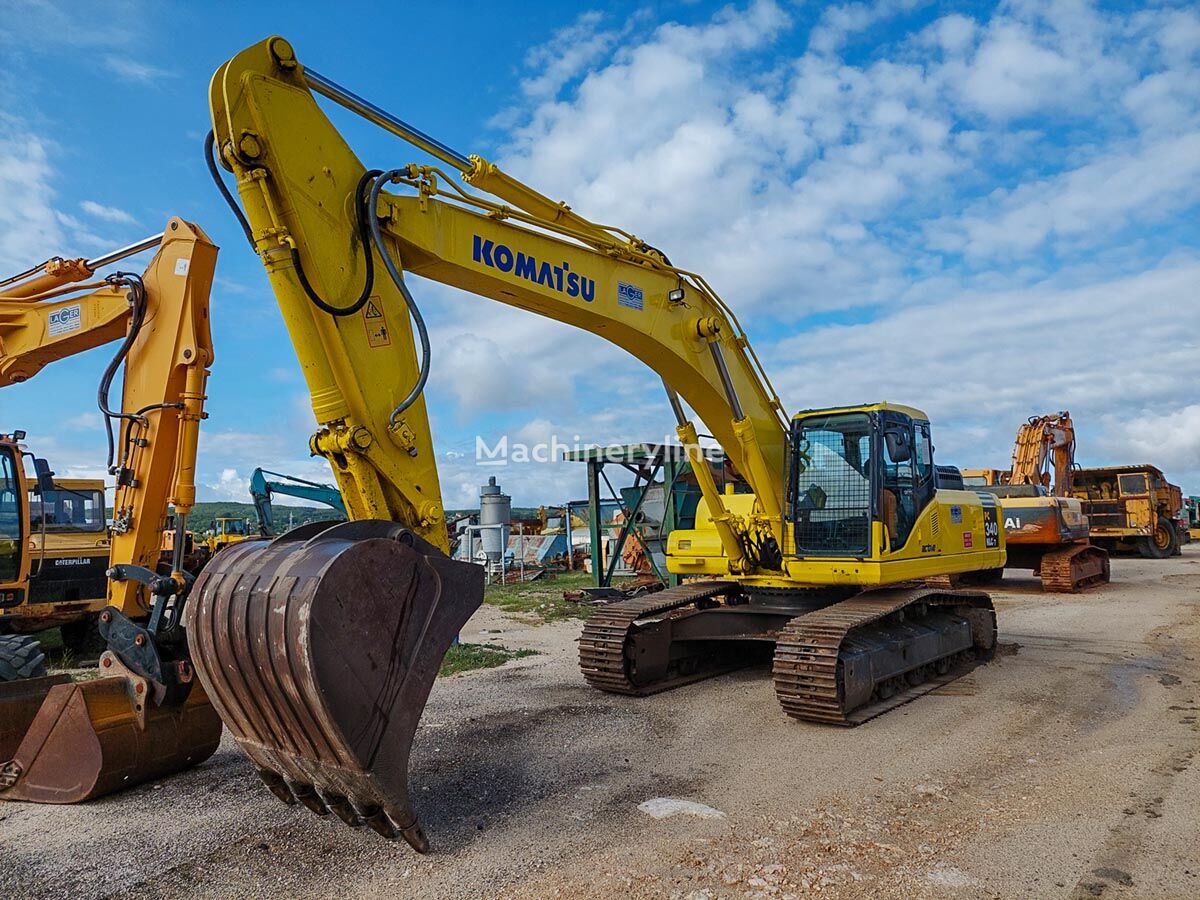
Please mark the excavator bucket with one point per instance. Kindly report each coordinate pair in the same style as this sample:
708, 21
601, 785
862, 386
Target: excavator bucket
19, 703
73, 741
319, 651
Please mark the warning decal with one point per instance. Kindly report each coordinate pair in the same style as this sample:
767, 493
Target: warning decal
376, 322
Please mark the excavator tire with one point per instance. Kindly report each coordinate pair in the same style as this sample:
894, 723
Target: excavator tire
21, 656
319, 650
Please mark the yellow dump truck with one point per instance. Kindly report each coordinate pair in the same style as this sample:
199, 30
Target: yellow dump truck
1131, 508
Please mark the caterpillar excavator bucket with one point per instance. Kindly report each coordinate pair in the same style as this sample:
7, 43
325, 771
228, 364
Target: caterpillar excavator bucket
67, 742
319, 650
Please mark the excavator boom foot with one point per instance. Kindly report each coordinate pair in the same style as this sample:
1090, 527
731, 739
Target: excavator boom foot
320, 649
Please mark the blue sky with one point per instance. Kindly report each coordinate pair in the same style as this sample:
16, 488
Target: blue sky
988, 211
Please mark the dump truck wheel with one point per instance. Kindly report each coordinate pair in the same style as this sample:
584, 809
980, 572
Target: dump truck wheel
1161, 544
21, 656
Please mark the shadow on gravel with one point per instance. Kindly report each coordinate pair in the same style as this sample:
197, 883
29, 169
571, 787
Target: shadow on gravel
467, 778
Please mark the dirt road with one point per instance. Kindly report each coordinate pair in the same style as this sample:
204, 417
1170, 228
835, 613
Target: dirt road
1065, 768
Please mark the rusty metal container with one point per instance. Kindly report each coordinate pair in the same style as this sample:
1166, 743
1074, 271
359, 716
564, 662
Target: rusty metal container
319, 651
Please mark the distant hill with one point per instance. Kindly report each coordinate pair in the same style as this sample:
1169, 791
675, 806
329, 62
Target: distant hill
202, 516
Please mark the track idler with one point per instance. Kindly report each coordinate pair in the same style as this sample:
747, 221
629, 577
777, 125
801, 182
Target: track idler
319, 651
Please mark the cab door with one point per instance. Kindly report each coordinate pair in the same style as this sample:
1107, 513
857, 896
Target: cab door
14, 561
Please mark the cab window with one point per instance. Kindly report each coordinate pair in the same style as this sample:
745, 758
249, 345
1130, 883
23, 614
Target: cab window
67, 511
1132, 485
11, 537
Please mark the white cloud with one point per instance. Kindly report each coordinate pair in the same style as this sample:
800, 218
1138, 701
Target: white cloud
29, 229
1168, 438
1086, 205
134, 70
107, 213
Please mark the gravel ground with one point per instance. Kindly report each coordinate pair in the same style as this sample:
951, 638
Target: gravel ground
1065, 768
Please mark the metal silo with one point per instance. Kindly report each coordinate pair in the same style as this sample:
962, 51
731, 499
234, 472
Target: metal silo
495, 508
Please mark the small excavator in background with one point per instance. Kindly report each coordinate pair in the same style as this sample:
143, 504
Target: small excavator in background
146, 716
1045, 526
262, 488
319, 648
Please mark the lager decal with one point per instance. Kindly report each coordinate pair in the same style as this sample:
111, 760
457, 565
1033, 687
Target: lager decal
65, 320
631, 295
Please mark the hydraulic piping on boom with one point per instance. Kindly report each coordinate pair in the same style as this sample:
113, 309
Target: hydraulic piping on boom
840, 500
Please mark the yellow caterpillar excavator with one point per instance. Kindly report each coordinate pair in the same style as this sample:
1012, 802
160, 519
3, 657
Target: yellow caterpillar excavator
1044, 524
146, 716
319, 649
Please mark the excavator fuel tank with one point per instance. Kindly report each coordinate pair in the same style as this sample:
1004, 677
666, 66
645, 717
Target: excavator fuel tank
319, 650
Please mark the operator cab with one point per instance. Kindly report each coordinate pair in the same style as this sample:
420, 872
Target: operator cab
851, 467
231, 527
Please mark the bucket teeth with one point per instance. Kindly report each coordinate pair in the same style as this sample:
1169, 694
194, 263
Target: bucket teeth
319, 650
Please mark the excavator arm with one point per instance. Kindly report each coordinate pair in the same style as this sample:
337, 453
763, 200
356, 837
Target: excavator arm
1045, 443
262, 488
145, 720
330, 237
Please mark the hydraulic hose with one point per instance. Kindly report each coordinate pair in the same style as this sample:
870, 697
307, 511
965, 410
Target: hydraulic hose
138, 298
398, 279
210, 159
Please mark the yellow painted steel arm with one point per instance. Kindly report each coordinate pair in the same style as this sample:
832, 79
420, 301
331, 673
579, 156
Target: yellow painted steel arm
297, 179
45, 318
1041, 442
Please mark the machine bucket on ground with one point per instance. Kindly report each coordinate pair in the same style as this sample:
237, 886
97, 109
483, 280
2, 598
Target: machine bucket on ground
89, 738
319, 650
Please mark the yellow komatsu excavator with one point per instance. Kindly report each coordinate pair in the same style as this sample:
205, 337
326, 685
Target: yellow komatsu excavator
145, 717
1044, 524
320, 648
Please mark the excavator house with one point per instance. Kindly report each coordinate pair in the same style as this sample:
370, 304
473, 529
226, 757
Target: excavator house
318, 649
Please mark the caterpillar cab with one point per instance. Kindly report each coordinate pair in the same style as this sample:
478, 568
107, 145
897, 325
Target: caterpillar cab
319, 648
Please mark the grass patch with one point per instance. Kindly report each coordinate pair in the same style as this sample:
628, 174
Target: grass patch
542, 600
465, 657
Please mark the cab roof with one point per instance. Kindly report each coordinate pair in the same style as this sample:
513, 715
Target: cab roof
910, 411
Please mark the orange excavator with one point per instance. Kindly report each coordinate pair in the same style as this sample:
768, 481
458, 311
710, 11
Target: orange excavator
146, 716
1044, 525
